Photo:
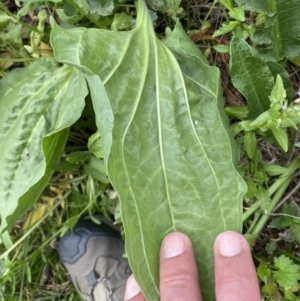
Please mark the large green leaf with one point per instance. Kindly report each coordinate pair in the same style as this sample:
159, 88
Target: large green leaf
35, 102
282, 27
53, 147
251, 76
171, 155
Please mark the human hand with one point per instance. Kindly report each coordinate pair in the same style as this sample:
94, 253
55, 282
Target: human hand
235, 275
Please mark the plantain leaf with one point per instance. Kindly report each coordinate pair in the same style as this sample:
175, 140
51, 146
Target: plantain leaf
35, 102
169, 153
251, 76
282, 27
53, 147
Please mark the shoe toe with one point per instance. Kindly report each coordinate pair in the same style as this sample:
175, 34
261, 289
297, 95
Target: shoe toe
93, 256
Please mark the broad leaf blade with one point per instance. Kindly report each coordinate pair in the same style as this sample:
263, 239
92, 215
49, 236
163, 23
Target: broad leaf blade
282, 28
171, 155
35, 102
251, 76
53, 147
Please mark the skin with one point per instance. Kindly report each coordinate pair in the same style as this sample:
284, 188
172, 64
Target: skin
235, 274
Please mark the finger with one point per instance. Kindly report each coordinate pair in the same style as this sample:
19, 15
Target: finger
178, 270
235, 273
133, 291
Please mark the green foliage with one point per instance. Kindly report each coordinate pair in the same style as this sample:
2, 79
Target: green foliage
170, 7
154, 127
144, 109
283, 275
251, 76
40, 105
287, 273
280, 36
290, 219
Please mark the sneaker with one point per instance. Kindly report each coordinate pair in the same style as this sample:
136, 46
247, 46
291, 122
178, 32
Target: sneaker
93, 256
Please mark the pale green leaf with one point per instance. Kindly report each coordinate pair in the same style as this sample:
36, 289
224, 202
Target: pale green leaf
12, 35
166, 6
91, 171
97, 164
101, 7
226, 27
263, 198
264, 118
278, 93
95, 145
282, 27
280, 136
35, 102
227, 3
296, 61
121, 21
250, 143
68, 19
275, 170
4, 19
83, 5
271, 289
277, 69
77, 157
53, 147
251, 76
263, 272
238, 112
104, 115
237, 13
23, 11
170, 140
242, 126
222, 48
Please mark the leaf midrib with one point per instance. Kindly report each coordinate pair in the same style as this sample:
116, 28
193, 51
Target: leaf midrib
142, 82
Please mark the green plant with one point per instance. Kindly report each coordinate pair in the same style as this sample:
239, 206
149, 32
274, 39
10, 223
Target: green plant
282, 275
154, 128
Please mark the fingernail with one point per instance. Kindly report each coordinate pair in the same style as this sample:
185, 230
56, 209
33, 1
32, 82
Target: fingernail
132, 288
230, 244
173, 245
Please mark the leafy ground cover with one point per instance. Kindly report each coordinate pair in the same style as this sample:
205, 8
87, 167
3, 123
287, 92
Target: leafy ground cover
109, 106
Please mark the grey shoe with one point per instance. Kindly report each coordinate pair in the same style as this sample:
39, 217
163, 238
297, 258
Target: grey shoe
92, 255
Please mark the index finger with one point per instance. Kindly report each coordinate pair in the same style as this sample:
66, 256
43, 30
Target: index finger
178, 270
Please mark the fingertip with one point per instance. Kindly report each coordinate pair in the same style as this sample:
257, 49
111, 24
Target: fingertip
132, 288
229, 243
235, 273
174, 244
178, 270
